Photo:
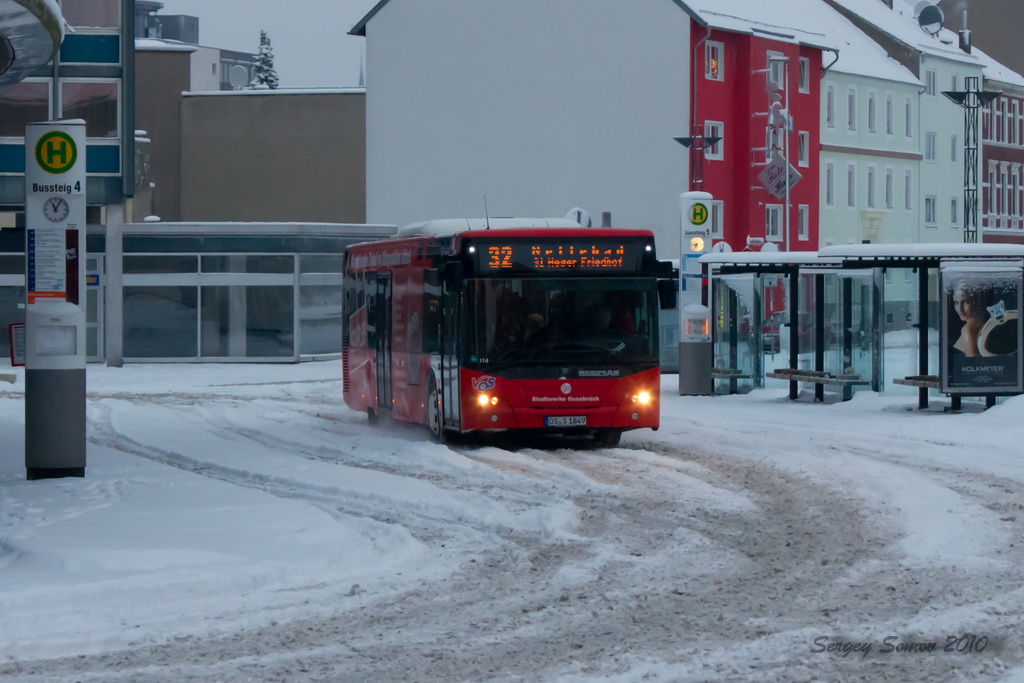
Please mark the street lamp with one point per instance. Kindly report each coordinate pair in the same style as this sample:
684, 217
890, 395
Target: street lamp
972, 99
698, 144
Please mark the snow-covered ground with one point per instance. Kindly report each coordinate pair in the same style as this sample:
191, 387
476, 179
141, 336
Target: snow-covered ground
237, 523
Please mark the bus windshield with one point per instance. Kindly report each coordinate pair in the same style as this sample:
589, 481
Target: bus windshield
520, 323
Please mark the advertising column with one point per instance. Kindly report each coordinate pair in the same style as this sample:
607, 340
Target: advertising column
981, 331
55, 182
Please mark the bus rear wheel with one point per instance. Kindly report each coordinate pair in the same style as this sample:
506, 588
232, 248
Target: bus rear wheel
435, 418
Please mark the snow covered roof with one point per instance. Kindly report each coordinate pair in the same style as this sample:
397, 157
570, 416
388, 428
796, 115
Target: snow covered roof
277, 92
793, 21
785, 258
778, 21
924, 250
262, 228
804, 22
831, 256
155, 45
900, 24
994, 71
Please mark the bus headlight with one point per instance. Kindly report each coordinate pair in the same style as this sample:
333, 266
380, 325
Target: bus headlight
483, 400
644, 398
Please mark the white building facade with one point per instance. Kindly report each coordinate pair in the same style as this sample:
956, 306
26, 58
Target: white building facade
528, 108
933, 55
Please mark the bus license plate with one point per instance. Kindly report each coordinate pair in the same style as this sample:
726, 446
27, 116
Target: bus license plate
566, 421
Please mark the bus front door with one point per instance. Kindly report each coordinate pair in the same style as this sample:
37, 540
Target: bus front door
382, 325
450, 306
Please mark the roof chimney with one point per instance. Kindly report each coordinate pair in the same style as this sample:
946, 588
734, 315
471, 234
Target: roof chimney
965, 36
965, 40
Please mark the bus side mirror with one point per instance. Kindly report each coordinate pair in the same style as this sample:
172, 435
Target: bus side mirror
454, 275
667, 294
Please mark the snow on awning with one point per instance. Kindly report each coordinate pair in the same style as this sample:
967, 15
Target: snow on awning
31, 32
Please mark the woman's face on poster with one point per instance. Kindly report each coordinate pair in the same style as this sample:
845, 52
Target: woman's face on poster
963, 303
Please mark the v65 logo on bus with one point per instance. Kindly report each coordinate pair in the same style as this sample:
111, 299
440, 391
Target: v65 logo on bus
484, 382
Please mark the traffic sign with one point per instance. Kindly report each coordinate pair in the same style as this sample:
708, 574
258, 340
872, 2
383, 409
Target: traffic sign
699, 214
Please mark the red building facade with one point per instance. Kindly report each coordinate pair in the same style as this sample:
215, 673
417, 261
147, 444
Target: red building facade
1001, 175
736, 79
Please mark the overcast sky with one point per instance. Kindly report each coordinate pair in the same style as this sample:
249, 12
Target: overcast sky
310, 37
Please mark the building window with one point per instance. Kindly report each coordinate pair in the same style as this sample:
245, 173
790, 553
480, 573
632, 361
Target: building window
871, 187
851, 185
999, 133
91, 13
1004, 203
908, 118
954, 83
890, 115
777, 69
805, 75
993, 196
953, 146
1014, 208
717, 218
23, 103
773, 221
890, 181
803, 142
804, 221
714, 129
930, 82
871, 112
931, 203
851, 108
830, 106
954, 211
94, 102
714, 66
1012, 127
908, 190
930, 139
1020, 125
830, 184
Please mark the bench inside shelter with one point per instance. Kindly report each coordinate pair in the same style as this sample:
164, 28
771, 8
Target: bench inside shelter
846, 381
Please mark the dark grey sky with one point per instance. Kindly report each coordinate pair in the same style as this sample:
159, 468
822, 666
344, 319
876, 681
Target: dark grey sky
309, 37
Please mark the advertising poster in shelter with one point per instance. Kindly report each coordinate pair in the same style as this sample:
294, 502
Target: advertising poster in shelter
981, 331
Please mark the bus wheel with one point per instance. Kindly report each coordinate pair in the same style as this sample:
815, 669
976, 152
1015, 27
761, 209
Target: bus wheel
371, 416
435, 420
608, 437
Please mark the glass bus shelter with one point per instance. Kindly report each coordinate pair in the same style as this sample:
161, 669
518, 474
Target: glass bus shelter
839, 320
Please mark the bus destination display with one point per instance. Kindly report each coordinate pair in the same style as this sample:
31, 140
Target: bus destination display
558, 256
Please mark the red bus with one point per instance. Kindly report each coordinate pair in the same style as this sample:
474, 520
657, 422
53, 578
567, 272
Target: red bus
474, 325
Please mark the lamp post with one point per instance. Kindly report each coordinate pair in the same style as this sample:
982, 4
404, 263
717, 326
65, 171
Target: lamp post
698, 143
971, 99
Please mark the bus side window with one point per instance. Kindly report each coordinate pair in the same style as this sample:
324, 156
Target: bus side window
431, 311
371, 311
